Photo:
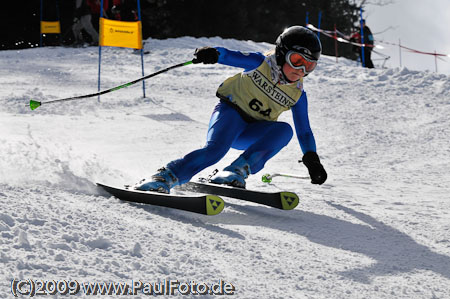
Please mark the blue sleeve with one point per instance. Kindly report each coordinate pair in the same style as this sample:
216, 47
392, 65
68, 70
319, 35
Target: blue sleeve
302, 128
247, 61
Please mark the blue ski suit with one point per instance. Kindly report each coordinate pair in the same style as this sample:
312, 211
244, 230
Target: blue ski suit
231, 127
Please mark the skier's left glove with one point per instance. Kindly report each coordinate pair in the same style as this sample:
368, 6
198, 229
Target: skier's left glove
207, 55
315, 168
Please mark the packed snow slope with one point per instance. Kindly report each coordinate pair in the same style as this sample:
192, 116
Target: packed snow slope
378, 228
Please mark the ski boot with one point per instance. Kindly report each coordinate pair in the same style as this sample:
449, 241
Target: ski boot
233, 175
161, 182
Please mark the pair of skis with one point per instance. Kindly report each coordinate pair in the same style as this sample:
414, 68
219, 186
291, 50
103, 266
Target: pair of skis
208, 202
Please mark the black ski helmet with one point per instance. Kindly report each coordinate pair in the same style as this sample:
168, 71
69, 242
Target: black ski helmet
299, 39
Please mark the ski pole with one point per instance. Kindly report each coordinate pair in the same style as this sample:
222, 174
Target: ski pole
267, 178
35, 104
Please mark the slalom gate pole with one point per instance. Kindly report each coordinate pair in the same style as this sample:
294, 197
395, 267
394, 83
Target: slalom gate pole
363, 60
35, 104
40, 38
267, 178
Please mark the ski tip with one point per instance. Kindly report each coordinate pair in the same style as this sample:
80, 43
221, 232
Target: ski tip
214, 205
34, 104
289, 200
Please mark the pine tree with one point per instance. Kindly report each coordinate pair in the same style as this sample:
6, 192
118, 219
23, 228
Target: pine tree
257, 20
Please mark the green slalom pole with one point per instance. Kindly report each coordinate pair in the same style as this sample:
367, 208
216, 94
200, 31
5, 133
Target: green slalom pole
267, 178
35, 104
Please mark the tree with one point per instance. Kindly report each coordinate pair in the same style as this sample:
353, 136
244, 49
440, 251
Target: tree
258, 20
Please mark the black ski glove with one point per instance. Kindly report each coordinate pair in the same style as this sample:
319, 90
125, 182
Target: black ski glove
207, 55
316, 171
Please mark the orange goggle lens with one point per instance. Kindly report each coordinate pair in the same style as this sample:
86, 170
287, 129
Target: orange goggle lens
298, 61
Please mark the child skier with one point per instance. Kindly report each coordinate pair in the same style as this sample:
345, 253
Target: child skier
246, 117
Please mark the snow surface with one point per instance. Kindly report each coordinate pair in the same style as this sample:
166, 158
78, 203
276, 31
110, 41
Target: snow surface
378, 228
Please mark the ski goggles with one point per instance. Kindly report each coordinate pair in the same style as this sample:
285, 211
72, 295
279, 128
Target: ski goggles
299, 61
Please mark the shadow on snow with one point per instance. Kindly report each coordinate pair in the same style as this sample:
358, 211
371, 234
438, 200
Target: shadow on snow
392, 250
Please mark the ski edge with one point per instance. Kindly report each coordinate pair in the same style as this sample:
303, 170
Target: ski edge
213, 204
282, 200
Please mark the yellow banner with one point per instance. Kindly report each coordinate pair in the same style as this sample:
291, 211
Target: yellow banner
50, 27
120, 34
